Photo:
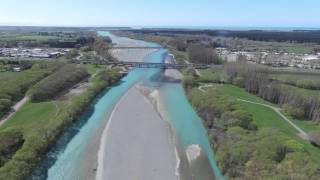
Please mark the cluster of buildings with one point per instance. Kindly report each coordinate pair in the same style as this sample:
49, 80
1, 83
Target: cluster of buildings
275, 59
33, 53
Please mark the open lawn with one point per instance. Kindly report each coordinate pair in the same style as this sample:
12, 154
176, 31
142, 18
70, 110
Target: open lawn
306, 83
22, 37
306, 92
5, 75
296, 76
299, 49
33, 117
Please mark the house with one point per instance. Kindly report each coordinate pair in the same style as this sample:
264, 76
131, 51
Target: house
16, 69
310, 58
20, 67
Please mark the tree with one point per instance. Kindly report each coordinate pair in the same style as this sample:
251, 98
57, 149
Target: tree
179, 44
200, 54
102, 46
72, 54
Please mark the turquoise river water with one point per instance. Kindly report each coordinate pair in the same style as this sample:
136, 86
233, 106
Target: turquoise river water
63, 161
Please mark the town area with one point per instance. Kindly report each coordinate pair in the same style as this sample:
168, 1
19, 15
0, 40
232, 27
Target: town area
274, 59
33, 52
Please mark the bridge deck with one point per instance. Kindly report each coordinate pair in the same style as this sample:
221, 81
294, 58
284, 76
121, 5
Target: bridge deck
159, 65
135, 47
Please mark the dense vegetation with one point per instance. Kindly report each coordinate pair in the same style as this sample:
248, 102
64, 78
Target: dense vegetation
10, 142
258, 35
58, 82
42, 123
202, 55
13, 86
101, 46
236, 41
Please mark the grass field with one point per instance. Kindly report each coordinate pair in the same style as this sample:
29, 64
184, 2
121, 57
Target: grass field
306, 92
305, 83
33, 117
296, 76
4, 75
25, 37
267, 118
299, 49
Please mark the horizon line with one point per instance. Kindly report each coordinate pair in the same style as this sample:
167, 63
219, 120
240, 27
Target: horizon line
200, 27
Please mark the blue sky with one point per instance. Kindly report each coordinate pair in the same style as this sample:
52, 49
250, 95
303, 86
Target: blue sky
252, 13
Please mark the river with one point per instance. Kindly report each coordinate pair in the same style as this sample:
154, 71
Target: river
66, 160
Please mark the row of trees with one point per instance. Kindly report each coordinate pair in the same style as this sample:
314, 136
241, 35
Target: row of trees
58, 82
303, 36
255, 79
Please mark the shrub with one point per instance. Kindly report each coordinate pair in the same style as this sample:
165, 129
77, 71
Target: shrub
314, 138
72, 54
293, 111
10, 142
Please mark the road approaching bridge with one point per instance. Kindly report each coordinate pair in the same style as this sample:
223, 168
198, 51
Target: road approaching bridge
160, 65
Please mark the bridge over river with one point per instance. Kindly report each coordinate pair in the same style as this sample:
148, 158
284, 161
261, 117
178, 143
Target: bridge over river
137, 47
160, 65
